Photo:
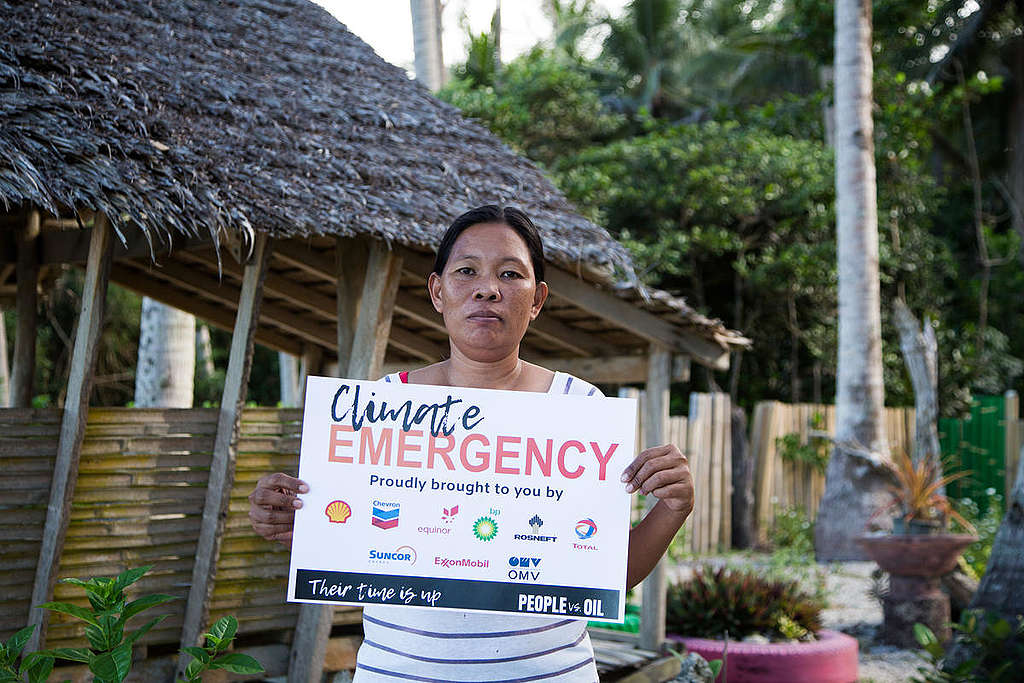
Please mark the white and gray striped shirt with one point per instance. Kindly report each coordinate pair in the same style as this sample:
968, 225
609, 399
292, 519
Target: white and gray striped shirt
406, 643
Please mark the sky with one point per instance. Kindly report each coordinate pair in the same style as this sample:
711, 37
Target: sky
387, 25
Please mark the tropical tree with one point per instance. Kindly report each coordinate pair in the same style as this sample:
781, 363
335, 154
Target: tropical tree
855, 480
165, 372
426, 31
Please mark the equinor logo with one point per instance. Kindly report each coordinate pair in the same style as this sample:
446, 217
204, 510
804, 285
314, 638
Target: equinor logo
405, 554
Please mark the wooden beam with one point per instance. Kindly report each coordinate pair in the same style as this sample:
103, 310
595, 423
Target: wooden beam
655, 426
416, 345
612, 369
634, 319
27, 301
72, 246
72, 428
188, 278
376, 307
306, 258
142, 282
225, 449
349, 277
281, 287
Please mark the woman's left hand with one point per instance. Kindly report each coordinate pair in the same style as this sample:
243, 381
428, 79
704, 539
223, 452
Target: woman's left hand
664, 472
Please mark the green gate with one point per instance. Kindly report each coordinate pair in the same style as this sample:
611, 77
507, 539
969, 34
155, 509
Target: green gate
976, 443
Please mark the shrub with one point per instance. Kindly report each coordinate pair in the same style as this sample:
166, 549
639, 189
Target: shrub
792, 530
741, 603
985, 524
994, 650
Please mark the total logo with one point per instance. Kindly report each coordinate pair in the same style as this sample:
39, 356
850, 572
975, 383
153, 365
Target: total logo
535, 524
403, 554
524, 568
586, 528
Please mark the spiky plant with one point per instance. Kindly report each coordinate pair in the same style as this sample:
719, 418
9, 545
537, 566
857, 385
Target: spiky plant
740, 603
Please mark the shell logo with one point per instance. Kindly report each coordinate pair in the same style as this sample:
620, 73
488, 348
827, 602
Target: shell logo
338, 512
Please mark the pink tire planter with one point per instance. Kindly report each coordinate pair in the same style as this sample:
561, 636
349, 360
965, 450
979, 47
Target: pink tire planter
830, 659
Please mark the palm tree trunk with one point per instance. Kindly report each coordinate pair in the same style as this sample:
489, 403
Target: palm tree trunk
426, 30
855, 479
167, 357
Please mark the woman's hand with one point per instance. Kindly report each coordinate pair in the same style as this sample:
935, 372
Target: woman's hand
664, 472
273, 504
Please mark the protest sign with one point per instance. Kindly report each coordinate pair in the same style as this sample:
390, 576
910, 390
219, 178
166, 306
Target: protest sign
467, 499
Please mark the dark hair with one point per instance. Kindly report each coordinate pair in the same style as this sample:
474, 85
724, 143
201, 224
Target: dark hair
492, 213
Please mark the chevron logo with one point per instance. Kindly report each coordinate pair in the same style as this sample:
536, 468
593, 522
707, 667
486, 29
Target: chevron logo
385, 515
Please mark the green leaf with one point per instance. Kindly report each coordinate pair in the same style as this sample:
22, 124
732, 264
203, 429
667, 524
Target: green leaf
72, 610
37, 668
924, 635
198, 653
73, 654
716, 667
195, 667
224, 631
16, 643
1001, 629
129, 576
237, 663
144, 603
965, 668
130, 640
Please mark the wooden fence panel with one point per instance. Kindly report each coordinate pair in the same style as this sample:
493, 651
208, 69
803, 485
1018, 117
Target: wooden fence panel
780, 483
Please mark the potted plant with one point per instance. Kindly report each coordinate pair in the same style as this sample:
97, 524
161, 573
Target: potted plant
765, 630
919, 551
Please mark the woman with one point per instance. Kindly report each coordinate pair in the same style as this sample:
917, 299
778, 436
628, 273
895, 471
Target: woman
488, 284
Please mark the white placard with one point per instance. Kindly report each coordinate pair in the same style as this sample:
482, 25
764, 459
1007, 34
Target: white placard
466, 499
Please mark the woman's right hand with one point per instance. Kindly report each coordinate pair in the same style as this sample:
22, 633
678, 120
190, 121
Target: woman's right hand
273, 504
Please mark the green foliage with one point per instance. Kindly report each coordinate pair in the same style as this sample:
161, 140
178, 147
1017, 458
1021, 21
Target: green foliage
994, 649
109, 654
214, 654
33, 667
985, 524
543, 106
792, 530
740, 603
814, 451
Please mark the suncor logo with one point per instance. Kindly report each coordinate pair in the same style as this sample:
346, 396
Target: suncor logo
524, 568
403, 554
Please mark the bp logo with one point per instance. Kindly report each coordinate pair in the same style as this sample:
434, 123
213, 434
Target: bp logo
485, 528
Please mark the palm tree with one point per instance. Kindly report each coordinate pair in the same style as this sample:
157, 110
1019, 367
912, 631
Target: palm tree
855, 481
426, 30
167, 357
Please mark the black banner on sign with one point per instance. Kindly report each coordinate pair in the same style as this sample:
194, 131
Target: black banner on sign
419, 591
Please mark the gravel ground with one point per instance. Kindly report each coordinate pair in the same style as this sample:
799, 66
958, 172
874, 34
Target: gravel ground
851, 610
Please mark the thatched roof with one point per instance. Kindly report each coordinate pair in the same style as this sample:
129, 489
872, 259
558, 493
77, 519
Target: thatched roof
198, 116
214, 119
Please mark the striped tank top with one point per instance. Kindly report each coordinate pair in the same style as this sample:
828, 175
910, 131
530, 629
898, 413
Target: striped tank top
410, 644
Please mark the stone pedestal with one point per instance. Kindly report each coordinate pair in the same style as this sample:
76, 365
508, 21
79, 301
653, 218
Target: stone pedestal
915, 565
912, 600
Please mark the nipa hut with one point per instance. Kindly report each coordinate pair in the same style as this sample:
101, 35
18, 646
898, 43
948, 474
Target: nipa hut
255, 164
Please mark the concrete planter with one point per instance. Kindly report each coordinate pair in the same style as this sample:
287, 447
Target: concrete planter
830, 659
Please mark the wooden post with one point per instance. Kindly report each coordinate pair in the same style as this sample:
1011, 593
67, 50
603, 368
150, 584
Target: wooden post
27, 275
72, 428
655, 423
5, 375
310, 364
367, 288
225, 448
376, 307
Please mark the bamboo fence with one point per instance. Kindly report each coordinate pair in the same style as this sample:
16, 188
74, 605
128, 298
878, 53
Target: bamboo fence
139, 501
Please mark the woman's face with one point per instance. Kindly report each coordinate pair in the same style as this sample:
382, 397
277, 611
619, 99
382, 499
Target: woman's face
487, 293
